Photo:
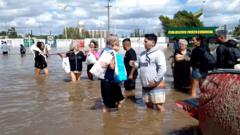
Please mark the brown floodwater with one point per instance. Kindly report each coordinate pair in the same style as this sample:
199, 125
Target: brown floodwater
53, 105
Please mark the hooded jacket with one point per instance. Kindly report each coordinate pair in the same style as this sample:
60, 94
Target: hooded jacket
227, 54
152, 65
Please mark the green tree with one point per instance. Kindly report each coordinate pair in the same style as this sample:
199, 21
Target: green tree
12, 33
3, 33
74, 33
137, 33
236, 31
180, 19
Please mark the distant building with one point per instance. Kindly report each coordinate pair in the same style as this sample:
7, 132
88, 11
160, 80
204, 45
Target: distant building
97, 33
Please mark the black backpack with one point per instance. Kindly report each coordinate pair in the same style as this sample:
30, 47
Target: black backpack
209, 60
233, 52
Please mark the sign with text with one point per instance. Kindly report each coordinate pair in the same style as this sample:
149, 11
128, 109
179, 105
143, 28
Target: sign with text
185, 32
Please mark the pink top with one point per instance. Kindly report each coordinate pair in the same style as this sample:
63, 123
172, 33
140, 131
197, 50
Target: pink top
96, 54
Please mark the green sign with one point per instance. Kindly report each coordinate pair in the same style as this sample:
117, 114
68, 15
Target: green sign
188, 32
27, 42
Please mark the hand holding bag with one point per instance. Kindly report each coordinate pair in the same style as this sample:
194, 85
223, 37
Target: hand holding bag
98, 70
91, 59
66, 64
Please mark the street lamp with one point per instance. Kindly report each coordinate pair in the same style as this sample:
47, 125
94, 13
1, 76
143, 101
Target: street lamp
81, 26
65, 10
64, 7
108, 9
101, 32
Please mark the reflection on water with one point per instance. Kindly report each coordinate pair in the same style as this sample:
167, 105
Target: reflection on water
52, 105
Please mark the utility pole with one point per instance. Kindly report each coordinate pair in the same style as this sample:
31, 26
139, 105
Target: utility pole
65, 27
108, 10
65, 10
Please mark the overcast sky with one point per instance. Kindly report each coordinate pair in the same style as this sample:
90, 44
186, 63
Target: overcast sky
43, 16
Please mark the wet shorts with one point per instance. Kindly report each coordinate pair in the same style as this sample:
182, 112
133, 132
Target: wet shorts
156, 95
196, 74
129, 84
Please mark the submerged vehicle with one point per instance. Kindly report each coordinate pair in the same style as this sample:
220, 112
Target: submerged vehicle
219, 103
218, 107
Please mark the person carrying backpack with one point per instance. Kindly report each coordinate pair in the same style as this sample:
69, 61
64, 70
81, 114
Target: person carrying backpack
227, 52
221, 51
234, 52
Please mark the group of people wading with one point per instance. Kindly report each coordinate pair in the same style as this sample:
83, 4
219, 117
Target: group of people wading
151, 66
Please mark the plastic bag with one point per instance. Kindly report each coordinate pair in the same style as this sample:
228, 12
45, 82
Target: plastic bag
91, 59
98, 70
66, 65
120, 71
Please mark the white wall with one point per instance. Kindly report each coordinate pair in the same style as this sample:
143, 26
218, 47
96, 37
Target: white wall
63, 43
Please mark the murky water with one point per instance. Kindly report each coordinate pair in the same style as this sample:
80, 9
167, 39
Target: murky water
52, 105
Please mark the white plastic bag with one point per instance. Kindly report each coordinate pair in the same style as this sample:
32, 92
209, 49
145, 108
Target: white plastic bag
237, 66
97, 69
66, 64
91, 59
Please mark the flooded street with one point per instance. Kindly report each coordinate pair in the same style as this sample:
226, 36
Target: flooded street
53, 105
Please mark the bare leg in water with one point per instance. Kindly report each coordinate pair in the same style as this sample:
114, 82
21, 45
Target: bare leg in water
37, 71
149, 105
160, 107
195, 85
75, 76
119, 104
105, 109
46, 71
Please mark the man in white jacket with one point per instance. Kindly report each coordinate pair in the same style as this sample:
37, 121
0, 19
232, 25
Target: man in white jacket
152, 65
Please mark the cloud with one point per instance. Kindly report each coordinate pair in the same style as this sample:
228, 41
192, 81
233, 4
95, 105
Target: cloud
31, 22
221, 19
217, 6
79, 12
45, 17
9, 14
146, 9
2, 4
126, 15
218, 12
141, 14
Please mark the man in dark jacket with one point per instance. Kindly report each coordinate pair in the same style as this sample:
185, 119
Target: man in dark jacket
227, 52
221, 51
